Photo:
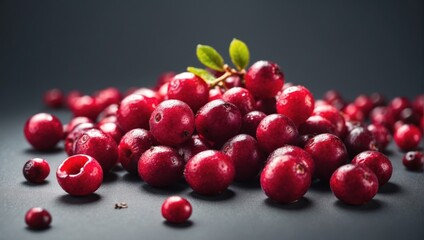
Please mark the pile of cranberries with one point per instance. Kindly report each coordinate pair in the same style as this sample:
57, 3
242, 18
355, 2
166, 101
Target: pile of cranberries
217, 125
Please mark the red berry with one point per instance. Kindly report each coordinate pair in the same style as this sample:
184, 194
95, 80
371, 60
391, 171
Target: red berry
297, 103
38, 218
43, 131
275, 131
215, 93
36, 170
267, 105
176, 209
73, 136
71, 97
85, 106
407, 137
297, 152
316, 125
377, 99
381, 135
134, 112
250, 122
334, 116
413, 160
74, 122
418, 105
353, 113
79, 175
109, 111
108, 96
383, 116
377, 162
192, 147
398, 104
285, 179
233, 81
364, 103
334, 99
54, 98
111, 129
147, 92
359, 139
241, 98
209, 172
264, 79
354, 184
164, 78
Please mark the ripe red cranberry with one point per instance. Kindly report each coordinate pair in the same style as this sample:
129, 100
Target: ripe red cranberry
218, 121
250, 122
163, 91
134, 112
111, 129
381, 135
267, 105
398, 104
161, 166
54, 98
334, 99
264, 79
147, 92
328, 152
215, 93
297, 152
72, 96
364, 103
107, 96
297, 103
377, 99
132, 145
176, 209
74, 122
407, 137
334, 116
193, 146
408, 115
316, 125
109, 111
248, 159
285, 179
241, 98
38, 218
413, 160
383, 116
79, 175
85, 106
164, 78
275, 131
190, 89
233, 81
110, 119
359, 139
36, 170
209, 172
354, 184
43, 131
418, 105
73, 136
353, 113
172, 122
377, 162
100, 146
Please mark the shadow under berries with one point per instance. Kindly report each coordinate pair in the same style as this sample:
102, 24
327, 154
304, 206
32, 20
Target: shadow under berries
390, 188
300, 204
183, 225
32, 151
371, 206
226, 195
73, 200
110, 177
175, 189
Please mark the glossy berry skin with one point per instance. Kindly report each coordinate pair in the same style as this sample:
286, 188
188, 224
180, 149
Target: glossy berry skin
164, 78
328, 152
134, 112
218, 121
107, 96
297, 103
378, 99
109, 111
112, 130
79, 175
161, 166
334, 116
359, 139
381, 135
233, 81
147, 92
297, 152
209, 172
364, 103
36, 170
38, 218
398, 104
190, 89
85, 106
176, 209
383, 116
250, 122
407, 137
267, 105
377, 162
215, 93
418, 105
413, 160
275, 131
43, 131
241, 98
248, 159
132, 145
192, 147
73, 136
172, 122
75, 122
354, 184
100, 146
285, 179
315, 125
54, 98
264, 79
353, 113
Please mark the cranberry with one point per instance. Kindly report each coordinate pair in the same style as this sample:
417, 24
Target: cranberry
218, 121
209, 172
297, 103
85, 106
264, 79
285, 179
398, 104
413, 160
134, 112
176, 209
164, 78
147, 92
241, 98
163, 91
354, 184
409, 116
79, 175
172, 122
353, 113
100, 146
111, 129
73, 136
72, 96
215, 93
190, 89
359, 139
418, 105
109, 111
316, 125
38, 218
287, 85
74, 122
108, 96
377, 162
54, 98
381, 135
407, 137
275, 131
377, 99
233, 81
334, 99
244, 151
110, 119
383, 116
328, 152
250, 122
297, 152
364, 103
334, 116
160, 166
43, 131
36, 170
267, 105
193, 146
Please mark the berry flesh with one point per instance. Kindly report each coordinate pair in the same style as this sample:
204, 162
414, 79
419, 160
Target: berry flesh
54, 98
36, 170
134, 112
172, 122
79, 175
43, 131
285, 179
354, 184
161, 166
377, 162
250, 122
264, 79
407, 137
413, 160
209, 172
176, 209
38, 218
275, 131
297, 103
241, 98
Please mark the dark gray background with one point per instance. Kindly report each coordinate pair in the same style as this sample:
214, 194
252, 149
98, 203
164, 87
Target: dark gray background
353, 46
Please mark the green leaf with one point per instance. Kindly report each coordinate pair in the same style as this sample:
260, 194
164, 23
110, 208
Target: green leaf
202, 73
239, 53
209, 57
